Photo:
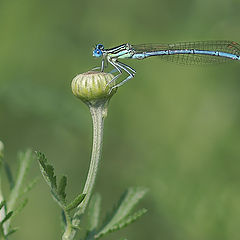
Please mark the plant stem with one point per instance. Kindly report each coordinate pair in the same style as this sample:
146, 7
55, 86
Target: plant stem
2, 211
25, 161
2, 234
98, 124
98, 113
68, 229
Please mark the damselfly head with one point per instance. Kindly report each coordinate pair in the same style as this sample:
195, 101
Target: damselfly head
100, 46
97, 52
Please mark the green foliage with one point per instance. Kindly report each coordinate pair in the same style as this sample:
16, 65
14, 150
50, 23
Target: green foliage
62, 188
17, 190
2, 204
13, 230
120, 216
30, 185
94, 212
20, 207
58, 191
47, 171
13, 205
173, 128
5, 216
8, 215
9, 175
75, 202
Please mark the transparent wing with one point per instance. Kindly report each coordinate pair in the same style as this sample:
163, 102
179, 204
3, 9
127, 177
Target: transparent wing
221, 46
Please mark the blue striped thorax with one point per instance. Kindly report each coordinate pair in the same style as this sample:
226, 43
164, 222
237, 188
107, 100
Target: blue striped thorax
122, 51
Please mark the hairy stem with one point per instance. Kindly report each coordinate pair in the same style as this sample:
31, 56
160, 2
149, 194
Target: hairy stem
98, 113
98, 123
68, 229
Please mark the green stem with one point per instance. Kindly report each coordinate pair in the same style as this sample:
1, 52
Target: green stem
98, 113
24, 164
1, 164
68, 229
2, 211
2, 233
98, 124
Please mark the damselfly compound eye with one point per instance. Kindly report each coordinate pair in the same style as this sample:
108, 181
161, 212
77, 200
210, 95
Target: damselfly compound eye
100, 46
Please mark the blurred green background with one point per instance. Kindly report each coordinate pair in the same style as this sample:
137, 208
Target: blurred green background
174, 129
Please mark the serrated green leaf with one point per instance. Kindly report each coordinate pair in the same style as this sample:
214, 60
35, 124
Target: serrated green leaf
47, 171
13, 230
125, 222
62, 188
75, 202
127, 202
94, 211
20, 207
8, 215
2, 204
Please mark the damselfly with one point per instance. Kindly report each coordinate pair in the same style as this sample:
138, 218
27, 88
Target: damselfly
187, 52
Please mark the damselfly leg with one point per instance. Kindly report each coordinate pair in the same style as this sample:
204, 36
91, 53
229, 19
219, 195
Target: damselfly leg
119, 66
113, 63
131, 73
102, 65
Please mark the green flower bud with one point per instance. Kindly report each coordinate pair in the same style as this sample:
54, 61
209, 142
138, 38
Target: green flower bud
92, 87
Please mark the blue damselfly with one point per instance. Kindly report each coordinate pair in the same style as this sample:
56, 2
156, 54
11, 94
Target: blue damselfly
202, 52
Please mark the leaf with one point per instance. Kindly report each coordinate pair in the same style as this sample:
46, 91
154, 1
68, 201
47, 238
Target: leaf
128, 220
8, 215
94, 211
20, 207
30, 185
47, 171
127, 202
62, 188
9, 175
25, 160
13, 230
2, 204
75, 202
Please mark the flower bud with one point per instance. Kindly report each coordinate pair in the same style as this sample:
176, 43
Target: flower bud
92, 87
